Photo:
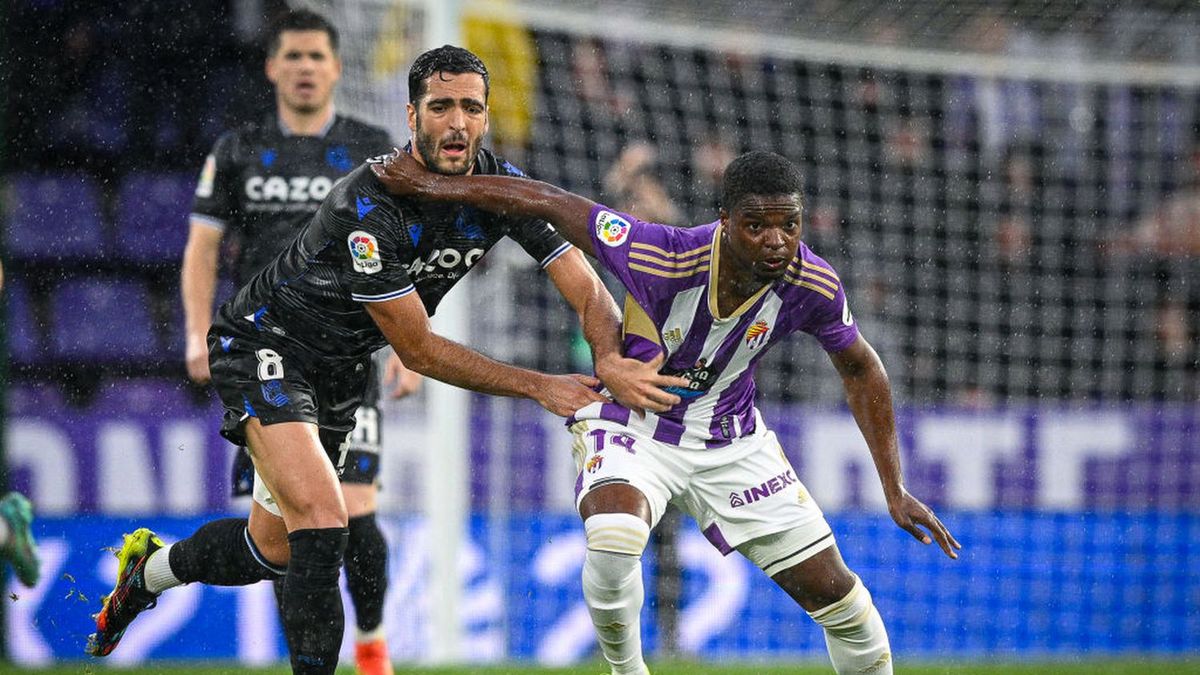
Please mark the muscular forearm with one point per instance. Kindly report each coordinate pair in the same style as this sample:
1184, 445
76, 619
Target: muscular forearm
198, 282
870, 399
601, 323
452, 363
499, 194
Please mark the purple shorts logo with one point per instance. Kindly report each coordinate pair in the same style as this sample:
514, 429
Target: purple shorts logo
764, 489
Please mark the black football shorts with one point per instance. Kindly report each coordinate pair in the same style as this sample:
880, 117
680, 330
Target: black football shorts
258, 378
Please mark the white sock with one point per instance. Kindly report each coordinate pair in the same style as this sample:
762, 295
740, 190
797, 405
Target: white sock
369, 636
612, 587
158, 574
855, 635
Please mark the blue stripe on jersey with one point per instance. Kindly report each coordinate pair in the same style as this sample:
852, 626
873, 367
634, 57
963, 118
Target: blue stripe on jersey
556, 254
390, 295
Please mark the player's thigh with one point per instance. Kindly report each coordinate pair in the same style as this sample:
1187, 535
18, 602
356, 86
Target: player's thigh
290, 459
818, 581
748, 498
269, 533
620, 472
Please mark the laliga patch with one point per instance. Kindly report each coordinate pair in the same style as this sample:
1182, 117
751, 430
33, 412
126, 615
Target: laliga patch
364, 252
208, 176
611, 228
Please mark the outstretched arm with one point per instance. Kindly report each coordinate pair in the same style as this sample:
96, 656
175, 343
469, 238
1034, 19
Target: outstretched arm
402, 175
635, 384
405, 324
870, 399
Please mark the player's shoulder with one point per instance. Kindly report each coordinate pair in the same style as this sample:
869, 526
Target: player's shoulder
241, 139
811, 275
488, 163
359, 194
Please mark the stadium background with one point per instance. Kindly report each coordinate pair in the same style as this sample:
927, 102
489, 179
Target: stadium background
1011, 192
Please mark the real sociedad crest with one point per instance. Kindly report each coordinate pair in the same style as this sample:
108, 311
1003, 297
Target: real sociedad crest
756, 335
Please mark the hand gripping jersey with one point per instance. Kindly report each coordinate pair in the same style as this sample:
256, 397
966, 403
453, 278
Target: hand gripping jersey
262, 184
363, 246
672, 307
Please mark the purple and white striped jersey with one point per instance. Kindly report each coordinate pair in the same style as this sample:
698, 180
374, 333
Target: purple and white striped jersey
672, 307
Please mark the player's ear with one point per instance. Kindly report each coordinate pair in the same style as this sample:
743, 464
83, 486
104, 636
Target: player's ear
272, 69
412, 117
724, 216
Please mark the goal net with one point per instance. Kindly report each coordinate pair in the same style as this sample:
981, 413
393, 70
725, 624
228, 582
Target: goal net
1010, 192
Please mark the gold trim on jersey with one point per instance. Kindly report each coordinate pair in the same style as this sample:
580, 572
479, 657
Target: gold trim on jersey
810, 286
713, 307
637, 322
815, 277
814, 266
669, 275
666, 263
669, 254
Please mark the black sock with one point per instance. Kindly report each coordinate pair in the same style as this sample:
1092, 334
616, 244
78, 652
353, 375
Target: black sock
366, 571
221, 553
278, 585
313, 618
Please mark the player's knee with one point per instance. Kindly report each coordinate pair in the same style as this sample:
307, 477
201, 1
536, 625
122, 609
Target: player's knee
620, 533
315, 510
849, 615
615, 542
317, 556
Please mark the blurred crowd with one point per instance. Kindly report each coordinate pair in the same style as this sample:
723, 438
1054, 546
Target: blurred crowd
1003, 238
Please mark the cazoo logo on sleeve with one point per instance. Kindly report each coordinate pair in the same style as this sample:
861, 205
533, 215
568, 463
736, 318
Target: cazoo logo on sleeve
293, 189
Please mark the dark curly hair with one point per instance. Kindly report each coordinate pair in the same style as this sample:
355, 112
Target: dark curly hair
444, 59
759, 173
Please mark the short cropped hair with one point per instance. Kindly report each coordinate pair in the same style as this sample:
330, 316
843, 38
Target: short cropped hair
444, 59
759, 174
297, 20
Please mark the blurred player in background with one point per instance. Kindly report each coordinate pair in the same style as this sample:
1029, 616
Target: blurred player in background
261, 184
288, 356
711, 300
17, 545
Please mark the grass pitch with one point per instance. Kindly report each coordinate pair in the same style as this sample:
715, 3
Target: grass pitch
1124, 667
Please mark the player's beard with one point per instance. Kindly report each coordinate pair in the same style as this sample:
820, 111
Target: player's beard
427, 147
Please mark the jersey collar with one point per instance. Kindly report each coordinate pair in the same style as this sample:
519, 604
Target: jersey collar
286, 131
714, 269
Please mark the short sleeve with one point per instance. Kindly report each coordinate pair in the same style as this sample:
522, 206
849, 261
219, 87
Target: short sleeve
640, 254
539, 239
215, 196
365, 226
829, 318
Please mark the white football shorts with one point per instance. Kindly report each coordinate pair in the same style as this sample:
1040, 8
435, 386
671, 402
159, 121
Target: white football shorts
744, 496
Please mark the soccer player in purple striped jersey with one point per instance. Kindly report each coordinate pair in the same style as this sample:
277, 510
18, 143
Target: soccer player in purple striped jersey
706, 303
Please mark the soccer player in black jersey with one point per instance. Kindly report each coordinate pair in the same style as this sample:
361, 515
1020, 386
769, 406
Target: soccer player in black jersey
288, 352
260, 185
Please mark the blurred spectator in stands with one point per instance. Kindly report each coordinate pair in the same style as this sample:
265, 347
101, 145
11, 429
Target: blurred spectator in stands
633, 186
992, 112
1176, 360
1172, 229
590, 69
709, 158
